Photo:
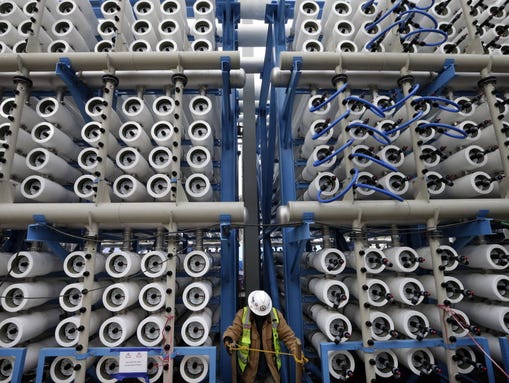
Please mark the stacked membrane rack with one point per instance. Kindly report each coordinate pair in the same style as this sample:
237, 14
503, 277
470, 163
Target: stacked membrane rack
352, 154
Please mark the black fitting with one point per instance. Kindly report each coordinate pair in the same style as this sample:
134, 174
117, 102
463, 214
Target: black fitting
486, 81
179, 77
88, 256
340, 77
23, 80
110, 78
408, 78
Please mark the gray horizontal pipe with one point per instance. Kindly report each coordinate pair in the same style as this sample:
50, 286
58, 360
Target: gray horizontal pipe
118, 60
143, 215
394, 61
130, 79
388, 212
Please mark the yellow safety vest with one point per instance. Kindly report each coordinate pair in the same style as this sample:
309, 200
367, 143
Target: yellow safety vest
245, 340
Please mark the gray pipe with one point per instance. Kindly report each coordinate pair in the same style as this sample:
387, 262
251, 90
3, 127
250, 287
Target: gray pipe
119, 60
413, 211
146, 215
394, 61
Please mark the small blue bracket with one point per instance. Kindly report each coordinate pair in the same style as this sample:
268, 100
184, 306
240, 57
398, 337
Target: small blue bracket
290, 98
300, 235
504, 350
41, 232
19, 362
228, 13
447, 74
79, 91
100, 351
465, 233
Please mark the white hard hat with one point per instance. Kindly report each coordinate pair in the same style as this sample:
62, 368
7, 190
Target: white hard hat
259, 302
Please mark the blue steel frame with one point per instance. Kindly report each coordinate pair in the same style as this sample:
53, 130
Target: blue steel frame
101, 351
504, 348
19, 362
391, 344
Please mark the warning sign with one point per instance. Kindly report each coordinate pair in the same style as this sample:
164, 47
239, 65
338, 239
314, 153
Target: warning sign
132, 361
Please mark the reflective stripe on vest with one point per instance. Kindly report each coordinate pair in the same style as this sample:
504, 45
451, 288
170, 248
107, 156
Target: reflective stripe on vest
245, 339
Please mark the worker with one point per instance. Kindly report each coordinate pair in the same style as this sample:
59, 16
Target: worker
259, 317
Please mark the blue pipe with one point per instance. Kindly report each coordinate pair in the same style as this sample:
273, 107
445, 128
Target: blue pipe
343, 192
462, 133
375, 160
334, 153
444, 100
411, 93
383, 17
326, 101
380, 190
375, 109
331, 125
406, 124
375, 131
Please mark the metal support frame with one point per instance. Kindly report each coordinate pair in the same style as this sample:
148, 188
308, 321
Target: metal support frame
101, 351
504, 349
19, 362
392, 344
447, 74
79, 91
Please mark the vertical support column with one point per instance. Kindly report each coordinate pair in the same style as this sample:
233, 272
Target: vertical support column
360, 272
110, 85
179, 82
23, 85
121, 44
171, 276
488, 86
85, 311
475, 45
433, 241
33, 43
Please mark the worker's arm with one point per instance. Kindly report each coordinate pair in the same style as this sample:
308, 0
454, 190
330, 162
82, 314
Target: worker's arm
287, 335
234, 331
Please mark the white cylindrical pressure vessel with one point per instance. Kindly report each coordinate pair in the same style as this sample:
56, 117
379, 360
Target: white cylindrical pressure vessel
71, 296
435, 183
204, 9
307, 117
196, 328
341, 363
29, 117
374, 260
196, 295
4, 264
445, 256
8, 33
487, 256
205, 30
135, 109
49, 136
411, 323
194, 368
153, 264
62, 368
89, 158
199, 160
116, 330
43, 161
201, 134
473, 135
198, 188
407, 290
103, 46
65, 30
201, 45
67, 333
28, 264
128, 188
335, 326
39, 189
120, 264
464, 357
308, 30
377, 291
491, 286
171, 30
476, 184
390, 154
133, 135
160, 159
197, 263
107, 29
162, 133
313, 166
92, 134
429, 156
325, 186
459, 324
166, 45
202, 109
328, 261
419, 361
341, 30
24, 143
404, 259
150, 331
380, 324
385, 363
159, 187
146, 10
174, 10
132, 162
332, 292
152, 296
396, 183
146, 31
106, 366
163, 107
495, 317
454, 289
121, 295
470, 158
18, 329
85, 188
26, 295
95, 108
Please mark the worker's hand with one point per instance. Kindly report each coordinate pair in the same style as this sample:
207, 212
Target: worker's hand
228, 343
